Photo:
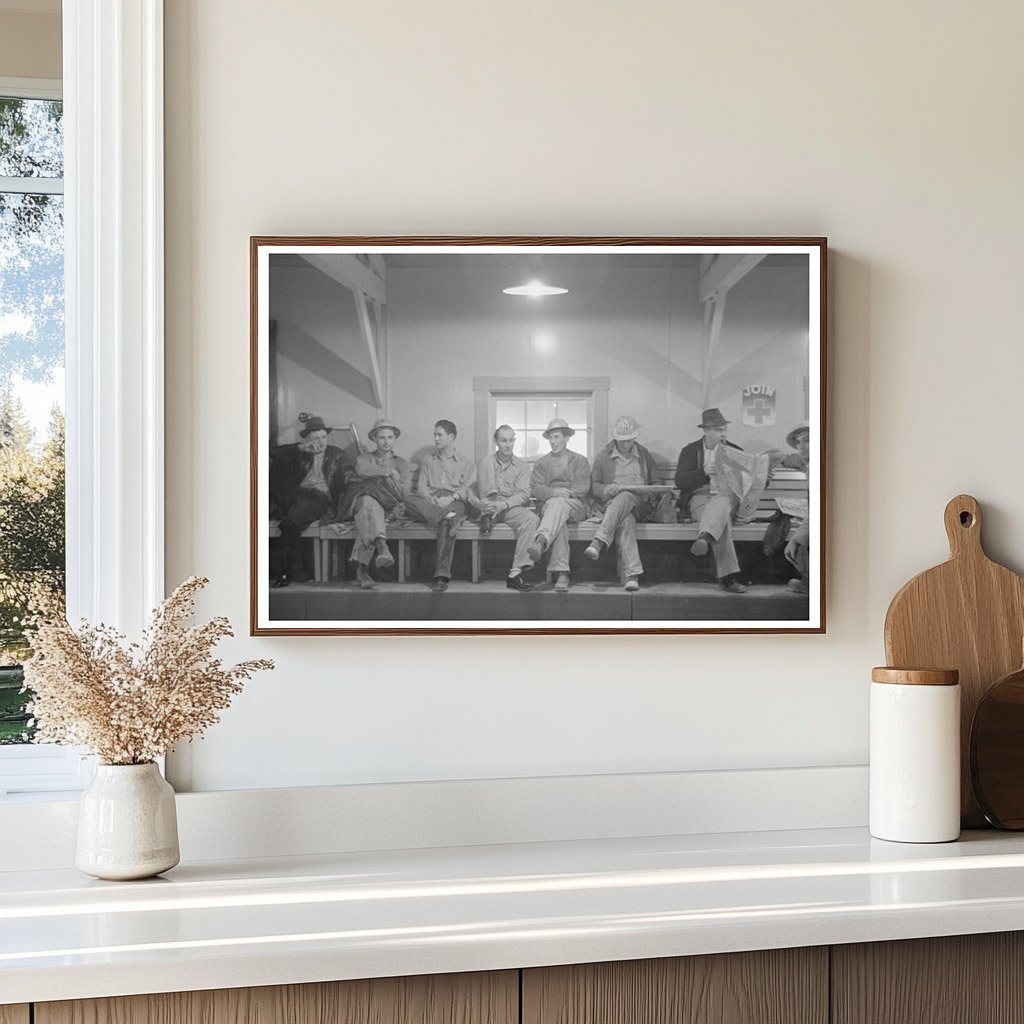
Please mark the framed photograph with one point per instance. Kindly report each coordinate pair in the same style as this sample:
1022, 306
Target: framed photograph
537, 435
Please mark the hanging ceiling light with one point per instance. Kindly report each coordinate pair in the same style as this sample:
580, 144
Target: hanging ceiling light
535, 289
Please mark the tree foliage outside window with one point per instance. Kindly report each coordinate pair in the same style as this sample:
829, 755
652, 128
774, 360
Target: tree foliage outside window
31, 357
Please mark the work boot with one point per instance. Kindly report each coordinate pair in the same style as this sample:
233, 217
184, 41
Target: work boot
594, 549
562, 583
537, 548
363, 578
384, 559
701, 545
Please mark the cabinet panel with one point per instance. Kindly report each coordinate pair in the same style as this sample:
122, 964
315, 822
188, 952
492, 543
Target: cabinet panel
779, 986
481, 998
14, 1014
962, 979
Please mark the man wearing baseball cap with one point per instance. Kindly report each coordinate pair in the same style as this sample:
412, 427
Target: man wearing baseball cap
306, 483
382, 481
700, 499
561, 480
621, 463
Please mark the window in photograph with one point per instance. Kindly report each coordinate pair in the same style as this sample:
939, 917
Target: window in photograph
529, 415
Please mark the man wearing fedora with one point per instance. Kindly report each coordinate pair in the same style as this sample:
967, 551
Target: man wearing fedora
441, 496
502, 496
621, 463
561, 480
306, 483
701, 501
799, 439
382, 481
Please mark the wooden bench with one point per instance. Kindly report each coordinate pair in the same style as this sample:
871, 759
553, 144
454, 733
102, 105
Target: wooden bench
785, 483
319, 546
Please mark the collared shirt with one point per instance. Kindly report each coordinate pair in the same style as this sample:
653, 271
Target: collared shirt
628, 468
445, 474
508, 481
314, 479
709, 467
378, 463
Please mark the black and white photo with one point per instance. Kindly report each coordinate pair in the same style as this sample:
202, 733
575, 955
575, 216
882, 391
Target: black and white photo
537, 435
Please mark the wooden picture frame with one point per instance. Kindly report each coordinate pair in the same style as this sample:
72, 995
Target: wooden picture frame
668, 336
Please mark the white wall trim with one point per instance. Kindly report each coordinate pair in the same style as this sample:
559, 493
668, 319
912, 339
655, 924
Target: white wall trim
31, 88
113, 85
253, 823
114, 329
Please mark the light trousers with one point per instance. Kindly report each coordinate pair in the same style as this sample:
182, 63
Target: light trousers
426, 511
371, 523
619, 524
713, 513
558, 512
524, 526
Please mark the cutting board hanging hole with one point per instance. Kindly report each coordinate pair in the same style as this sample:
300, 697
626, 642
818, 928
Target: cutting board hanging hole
963, 526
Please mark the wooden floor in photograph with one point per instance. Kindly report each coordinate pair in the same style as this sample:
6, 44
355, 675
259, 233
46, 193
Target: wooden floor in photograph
492, 600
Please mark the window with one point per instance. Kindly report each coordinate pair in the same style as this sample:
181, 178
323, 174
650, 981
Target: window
529, 415
31, 380
528, 405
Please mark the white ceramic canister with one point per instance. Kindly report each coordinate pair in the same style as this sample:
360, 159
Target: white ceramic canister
915, 755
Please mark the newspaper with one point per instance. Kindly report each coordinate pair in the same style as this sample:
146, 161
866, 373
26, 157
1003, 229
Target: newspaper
743, 475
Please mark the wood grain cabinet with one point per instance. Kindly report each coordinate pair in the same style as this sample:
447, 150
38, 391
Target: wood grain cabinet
971, 979
777, 986
491, 998
963, 979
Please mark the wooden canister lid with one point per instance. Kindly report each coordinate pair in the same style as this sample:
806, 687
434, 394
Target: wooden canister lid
916, 676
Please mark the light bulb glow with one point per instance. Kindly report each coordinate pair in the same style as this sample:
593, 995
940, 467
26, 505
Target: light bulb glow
535, 289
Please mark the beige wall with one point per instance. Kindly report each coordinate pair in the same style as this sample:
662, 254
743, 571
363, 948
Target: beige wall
892, 128
29, 45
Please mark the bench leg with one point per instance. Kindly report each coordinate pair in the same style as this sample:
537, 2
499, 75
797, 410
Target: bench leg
318, 560
403, 561
476, 560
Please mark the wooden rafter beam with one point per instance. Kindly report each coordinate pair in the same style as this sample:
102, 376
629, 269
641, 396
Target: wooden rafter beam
363, 314
713, 332
724, 271
347, 270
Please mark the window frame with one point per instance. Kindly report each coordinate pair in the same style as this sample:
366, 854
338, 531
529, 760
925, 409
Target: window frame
112, 89
488, 390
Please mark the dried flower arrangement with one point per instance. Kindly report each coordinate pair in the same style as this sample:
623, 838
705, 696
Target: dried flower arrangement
129, 704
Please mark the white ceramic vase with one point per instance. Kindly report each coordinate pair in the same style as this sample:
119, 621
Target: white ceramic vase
127, 825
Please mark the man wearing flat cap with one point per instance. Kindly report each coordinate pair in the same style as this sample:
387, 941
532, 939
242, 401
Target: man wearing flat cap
382, 481
306, 483
561, 480
700, 499
621, 464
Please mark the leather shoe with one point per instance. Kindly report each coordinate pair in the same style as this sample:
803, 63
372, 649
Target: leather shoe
518, 583
384, 559
486, 523
562, 583
733, 585
593, 550
364, 579
700, 546
440, 584
283, 580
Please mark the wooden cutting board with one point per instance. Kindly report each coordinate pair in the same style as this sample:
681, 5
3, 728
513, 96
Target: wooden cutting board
967, 614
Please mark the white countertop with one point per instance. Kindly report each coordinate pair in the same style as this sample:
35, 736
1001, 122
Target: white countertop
225, 924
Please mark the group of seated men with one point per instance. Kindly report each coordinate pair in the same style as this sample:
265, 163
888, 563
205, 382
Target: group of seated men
312, 480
